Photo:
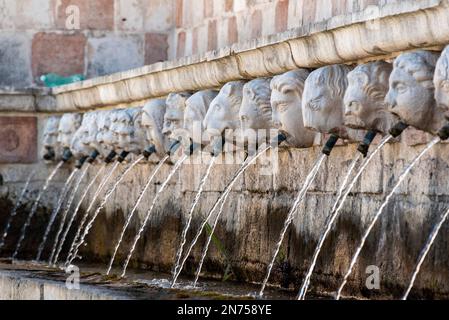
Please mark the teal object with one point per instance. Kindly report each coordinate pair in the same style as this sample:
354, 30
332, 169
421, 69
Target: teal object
52, 80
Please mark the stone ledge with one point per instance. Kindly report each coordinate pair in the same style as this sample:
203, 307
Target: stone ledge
345, 39
28, 101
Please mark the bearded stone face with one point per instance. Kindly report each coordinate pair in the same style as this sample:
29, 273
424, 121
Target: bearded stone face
51, 147
152, 124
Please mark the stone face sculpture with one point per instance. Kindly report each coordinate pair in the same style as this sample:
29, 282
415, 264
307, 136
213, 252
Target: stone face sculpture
441, 83
286, 103
69, 124
255, 110
322, 102
103, 142
51, 147
196, 109
411, 93
80, 144
224, 110
365, 106
139, 141
122, 130
153, 122
174, 115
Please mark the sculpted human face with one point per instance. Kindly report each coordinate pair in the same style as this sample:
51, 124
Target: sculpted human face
441, 82
323, 99
411, 93
286, 105
223, 112
255, 111
122, 130
174, 115
152, 123
80, 145
103, 143
68, 125
364, 100
50, 137
139, 140
196, 109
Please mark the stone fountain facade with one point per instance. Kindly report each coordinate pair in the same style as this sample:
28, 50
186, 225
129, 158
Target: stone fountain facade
355, 86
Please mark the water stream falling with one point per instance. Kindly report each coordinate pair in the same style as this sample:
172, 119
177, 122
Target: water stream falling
147, 217
34, 209
379, 212
129, 217
425, 251
336, 210
66, 211
62, 198
16, 207
108, 195
103, 183
222, 197
75, 212
190, 215
220, 211
301, 195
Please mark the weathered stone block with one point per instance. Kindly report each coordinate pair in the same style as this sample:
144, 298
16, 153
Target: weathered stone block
14, 60
114, 53
18, 136
156, 47
97, 15
58, 53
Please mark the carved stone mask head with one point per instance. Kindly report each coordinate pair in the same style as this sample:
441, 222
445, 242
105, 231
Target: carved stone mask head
322, 103
286, 104
104, 141
69, 124
365, 106
153, 123
174, 115
138, 140
224, 110
441, 82
255, 111
196, 109
122, 129
50, 137
80, 145
411, 93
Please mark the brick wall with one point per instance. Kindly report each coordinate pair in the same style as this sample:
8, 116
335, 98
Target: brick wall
114, 35
203, 25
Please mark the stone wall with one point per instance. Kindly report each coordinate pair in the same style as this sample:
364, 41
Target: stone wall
255, 213
113, 36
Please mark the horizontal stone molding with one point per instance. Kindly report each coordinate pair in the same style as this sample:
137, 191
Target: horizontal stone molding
29, 101
354, 38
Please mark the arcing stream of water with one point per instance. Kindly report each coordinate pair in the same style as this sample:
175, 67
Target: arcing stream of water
34, 209
301, 195
379, 212
86, 214
190, 215
66, 211
74, 214
62, 197
424, 252
16, 207
103, 203
336, 210
129, 217
148, 215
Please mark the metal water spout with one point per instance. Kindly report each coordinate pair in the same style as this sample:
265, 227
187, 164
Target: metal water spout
110, 157
49, 155
67, 154
122, 156
81, 161
93, 156
148, 151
